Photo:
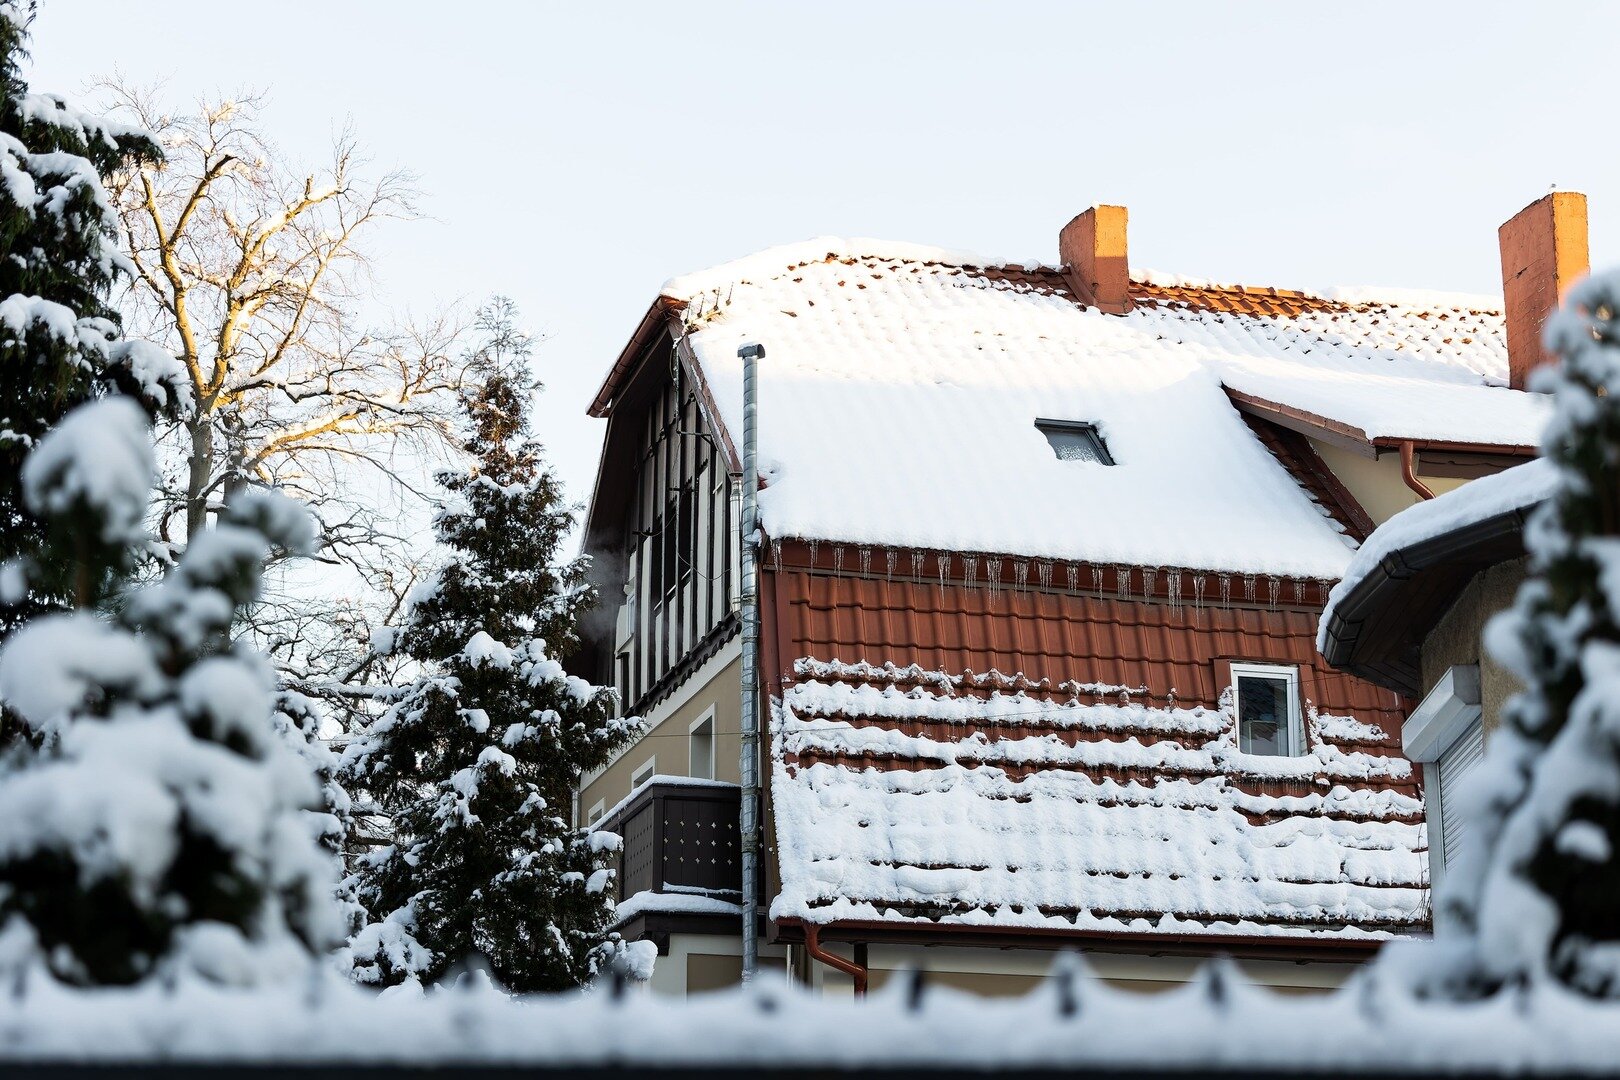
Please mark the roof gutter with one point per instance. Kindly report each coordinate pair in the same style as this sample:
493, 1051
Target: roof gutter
1343, 644
1409, 471
812, 945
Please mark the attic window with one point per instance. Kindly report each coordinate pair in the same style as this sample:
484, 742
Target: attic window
1075, 441
1268, 718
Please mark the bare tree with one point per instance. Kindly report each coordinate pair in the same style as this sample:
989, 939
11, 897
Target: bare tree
254, 273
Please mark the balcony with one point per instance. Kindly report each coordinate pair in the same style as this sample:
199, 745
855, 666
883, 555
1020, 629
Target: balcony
680, 867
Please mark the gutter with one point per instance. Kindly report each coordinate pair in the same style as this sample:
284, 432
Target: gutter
1382, 585
812, 945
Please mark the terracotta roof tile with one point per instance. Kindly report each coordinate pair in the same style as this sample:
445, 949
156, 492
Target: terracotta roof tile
1037, 757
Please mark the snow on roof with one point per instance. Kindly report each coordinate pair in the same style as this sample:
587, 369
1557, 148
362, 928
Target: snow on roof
1016, 810
1518, 488
902, 384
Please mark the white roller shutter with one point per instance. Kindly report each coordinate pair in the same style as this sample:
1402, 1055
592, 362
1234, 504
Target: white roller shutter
1455, 764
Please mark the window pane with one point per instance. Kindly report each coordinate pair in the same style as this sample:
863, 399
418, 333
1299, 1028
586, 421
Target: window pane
1263, 715
1073, 446
1076, 442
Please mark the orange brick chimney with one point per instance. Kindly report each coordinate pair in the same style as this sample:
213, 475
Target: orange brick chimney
1092, 248
1543, 252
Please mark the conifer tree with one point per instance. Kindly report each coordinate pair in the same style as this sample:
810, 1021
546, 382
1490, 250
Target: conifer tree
59, 341
1538, 897
477, 759
156, 824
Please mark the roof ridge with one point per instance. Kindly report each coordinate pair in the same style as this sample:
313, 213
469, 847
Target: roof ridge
774, 261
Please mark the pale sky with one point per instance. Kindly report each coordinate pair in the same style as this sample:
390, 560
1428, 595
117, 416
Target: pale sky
575, 156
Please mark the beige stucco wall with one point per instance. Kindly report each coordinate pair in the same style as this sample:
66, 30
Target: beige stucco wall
1377, 484
718, 684
1456, 638
1001, 972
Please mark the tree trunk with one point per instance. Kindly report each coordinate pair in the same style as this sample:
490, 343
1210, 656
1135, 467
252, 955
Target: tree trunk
202, 467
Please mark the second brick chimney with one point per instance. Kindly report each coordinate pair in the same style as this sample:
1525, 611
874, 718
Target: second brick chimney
1092, 249
1543, 253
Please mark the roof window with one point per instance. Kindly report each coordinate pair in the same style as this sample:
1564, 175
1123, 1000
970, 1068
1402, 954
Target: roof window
1268, 718
1075, 441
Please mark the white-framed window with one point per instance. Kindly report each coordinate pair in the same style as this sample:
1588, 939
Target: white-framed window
598, 808
643, 773
1266, 701
700, 741
1446, 733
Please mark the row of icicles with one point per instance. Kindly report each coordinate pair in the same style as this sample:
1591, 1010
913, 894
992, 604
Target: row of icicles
1120, 581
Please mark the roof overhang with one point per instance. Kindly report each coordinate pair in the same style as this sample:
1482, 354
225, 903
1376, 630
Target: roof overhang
1377, 630
1296, 947
1443, 458
659, 319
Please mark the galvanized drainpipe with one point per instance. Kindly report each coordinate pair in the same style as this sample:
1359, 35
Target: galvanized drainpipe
1409, 471
748, 825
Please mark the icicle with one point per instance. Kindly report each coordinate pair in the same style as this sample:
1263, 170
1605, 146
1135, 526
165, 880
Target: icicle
838, 560
992, 573
1273, 587
970, 570
1299, 591
1172, 589
776, 552
1122, 582
1096, 578
815, 546
1248, 587
1150, 580
1226, 590
866, 560
1020, 575
890, 557
1043, 574
942, 562
1198, 591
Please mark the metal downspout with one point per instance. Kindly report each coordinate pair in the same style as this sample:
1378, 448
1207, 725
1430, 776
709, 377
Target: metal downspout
812, 945
748, 823
1409, 471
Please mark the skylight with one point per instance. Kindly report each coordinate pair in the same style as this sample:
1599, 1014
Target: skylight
1075, 441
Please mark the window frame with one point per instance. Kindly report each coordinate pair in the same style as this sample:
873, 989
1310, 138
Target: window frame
595, 813
1257, 669
707, 719
1089, 428
643, 773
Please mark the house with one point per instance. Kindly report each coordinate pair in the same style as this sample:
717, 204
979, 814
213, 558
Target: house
1410, 612
1043, 550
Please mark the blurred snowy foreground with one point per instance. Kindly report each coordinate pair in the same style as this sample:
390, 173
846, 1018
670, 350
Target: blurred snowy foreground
1217, 1024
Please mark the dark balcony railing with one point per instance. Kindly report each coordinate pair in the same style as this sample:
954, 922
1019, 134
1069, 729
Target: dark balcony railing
679, 838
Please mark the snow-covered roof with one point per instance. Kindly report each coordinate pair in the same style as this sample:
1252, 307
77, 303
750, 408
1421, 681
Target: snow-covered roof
909, 796
901, 387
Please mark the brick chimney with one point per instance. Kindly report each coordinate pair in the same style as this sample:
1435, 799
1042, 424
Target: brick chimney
1543, 252
1092, 248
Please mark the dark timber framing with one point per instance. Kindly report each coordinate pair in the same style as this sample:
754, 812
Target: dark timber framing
679, 539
